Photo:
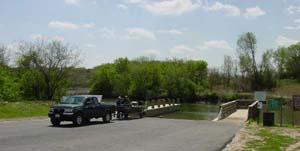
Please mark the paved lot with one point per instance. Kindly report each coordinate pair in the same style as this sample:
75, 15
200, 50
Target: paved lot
148, 134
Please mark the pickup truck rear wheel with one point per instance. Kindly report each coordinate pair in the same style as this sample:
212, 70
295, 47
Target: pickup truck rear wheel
106, 118
78, 120
55, 122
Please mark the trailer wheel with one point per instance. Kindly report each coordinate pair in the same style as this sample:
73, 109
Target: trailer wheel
107, 118
126, 116
121, 116
141, 115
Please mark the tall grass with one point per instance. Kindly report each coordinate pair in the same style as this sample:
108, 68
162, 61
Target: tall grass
11, 110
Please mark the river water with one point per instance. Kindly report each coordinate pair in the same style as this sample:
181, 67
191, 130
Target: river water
188, 111
195, 112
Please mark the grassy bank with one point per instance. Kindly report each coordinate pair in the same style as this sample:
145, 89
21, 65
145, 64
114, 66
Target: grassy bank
269, 140
12, 110
195, 112
259, 138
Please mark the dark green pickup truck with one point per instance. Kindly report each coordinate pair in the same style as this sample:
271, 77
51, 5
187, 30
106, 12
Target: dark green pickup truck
80, 110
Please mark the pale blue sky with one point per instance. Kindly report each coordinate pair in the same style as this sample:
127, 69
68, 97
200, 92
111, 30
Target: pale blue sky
107, 29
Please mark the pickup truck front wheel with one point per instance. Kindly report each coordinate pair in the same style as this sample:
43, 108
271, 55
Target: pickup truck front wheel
55, 122
78, 120
107, 118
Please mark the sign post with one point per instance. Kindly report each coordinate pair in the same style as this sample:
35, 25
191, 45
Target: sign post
296, 105
260, 96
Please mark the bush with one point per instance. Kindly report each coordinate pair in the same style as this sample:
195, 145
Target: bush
227, 97
209, 96
9, 87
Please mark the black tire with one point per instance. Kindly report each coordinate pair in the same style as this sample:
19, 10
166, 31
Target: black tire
141, 115
78, 120
126, 116
55, 122
107, 117
121, 116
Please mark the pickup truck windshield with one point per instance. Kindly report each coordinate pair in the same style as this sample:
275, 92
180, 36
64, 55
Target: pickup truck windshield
73, 100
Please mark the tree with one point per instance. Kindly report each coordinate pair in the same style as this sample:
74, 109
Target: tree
3, 56
9, 86
281, 57
121, 81
144, 78
288, 61
267, 70
52, 60
246, 49
102, 81
214, 78
228, 69
293, 62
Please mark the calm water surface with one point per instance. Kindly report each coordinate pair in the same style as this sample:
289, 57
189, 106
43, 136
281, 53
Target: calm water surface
188, 111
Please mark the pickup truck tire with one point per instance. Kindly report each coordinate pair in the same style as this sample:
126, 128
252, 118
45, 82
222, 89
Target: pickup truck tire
78, 120
55, 122
107, 117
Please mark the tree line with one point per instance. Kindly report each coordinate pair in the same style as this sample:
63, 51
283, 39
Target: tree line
45, 70
144, 78
245, 73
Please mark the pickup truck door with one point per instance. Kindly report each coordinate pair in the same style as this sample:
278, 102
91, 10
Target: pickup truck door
98, 108
89, 108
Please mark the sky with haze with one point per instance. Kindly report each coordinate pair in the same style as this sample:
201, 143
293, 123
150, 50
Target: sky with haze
190, 29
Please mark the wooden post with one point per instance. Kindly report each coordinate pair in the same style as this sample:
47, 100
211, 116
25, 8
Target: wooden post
293, 115
281, 113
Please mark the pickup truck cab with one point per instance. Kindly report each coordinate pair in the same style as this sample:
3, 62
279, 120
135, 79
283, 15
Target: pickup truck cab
80, 110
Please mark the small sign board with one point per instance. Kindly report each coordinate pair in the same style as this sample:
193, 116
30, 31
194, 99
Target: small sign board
274, 104
260, 96
259, 105
296, 102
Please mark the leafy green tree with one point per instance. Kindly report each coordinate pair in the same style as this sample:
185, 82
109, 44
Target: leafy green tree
52, 60
146, 78
3, 56
102, 80
288, 61
293, 62
121, 81
281, 58
9, 86
246, 48
267, 70
228, 69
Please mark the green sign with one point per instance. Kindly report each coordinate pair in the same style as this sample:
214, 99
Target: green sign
274, 105
260, 96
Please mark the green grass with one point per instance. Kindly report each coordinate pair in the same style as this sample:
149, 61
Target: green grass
269, 141
23, 109
195, 112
